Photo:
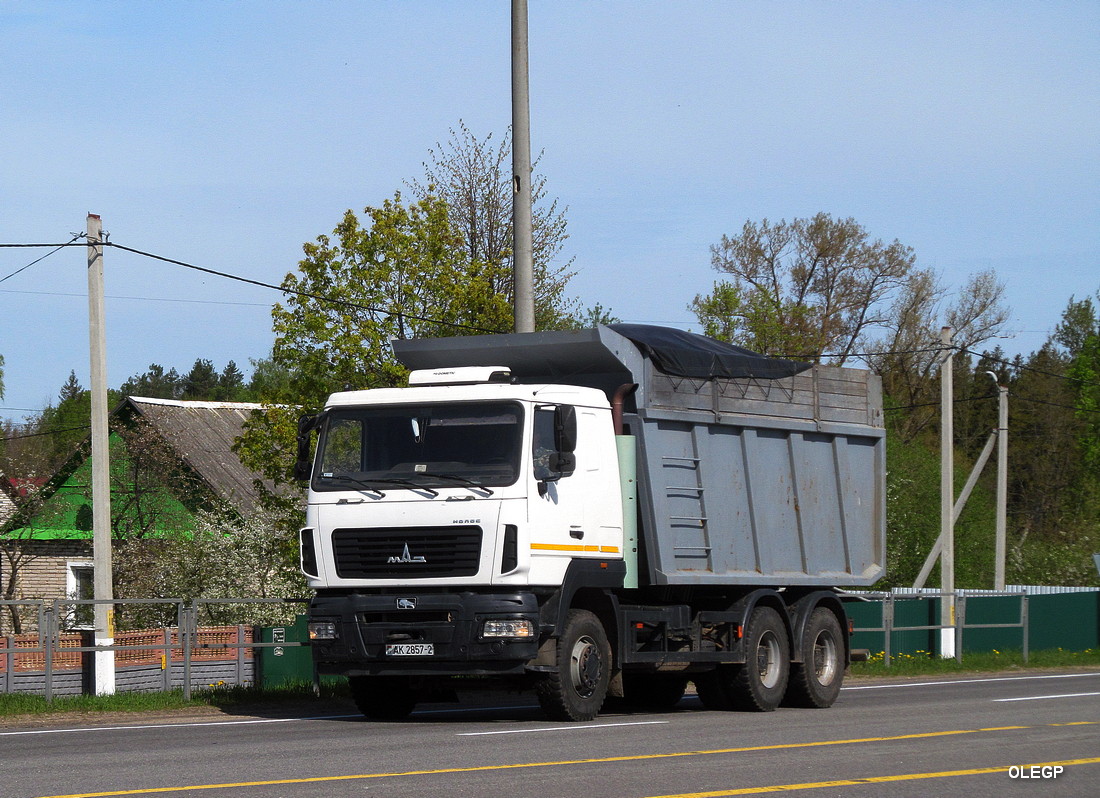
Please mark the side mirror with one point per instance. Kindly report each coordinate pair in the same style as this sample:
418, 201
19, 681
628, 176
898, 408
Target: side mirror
565, 429
564, 463
303, 466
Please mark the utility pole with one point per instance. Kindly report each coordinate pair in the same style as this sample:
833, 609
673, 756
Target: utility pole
522, 261
1002, 486
947, 497
103, 590
999, 435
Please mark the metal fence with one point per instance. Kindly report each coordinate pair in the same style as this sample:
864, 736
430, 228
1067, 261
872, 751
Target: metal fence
187, 650
890, 625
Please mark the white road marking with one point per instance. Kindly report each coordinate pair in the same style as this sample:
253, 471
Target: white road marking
968, 681
1042, 697
171, 725
564, 728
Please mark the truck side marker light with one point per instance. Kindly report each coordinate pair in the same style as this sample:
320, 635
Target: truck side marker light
739, 631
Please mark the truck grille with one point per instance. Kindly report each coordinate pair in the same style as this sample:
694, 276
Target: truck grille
407, 553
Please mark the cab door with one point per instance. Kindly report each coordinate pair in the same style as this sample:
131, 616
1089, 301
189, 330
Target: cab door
569, 489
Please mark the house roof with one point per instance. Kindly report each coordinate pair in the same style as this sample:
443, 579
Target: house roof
199, 434
202, 435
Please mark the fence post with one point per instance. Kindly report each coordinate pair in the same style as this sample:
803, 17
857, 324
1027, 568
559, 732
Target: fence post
9, 661
166, 661
888, 627
1025, 623
960, 622
240, 655
46, 637
186, 627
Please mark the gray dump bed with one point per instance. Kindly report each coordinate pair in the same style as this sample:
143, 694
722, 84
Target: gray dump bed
750, 470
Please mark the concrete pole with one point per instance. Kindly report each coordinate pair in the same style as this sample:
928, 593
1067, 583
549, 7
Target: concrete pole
1002, 487
947, 497
522, 260
103, 590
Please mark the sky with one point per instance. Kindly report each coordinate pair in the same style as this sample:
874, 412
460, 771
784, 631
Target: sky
227, 134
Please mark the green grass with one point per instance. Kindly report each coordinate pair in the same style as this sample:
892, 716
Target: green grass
220, 696
31, 704
923, 663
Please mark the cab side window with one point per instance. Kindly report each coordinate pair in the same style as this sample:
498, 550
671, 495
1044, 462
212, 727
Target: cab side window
543, 442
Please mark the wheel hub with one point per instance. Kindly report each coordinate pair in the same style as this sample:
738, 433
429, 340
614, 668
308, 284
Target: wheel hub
585, 666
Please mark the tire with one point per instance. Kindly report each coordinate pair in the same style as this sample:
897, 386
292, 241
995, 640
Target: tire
816, 681
383, 697
653, 692
760, 683
576, 689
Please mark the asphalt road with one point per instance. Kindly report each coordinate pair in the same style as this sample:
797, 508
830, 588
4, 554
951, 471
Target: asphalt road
950, 737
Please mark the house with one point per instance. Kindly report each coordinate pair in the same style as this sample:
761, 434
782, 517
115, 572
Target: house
169, 460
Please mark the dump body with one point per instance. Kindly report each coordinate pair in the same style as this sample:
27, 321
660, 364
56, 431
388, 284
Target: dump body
749, 473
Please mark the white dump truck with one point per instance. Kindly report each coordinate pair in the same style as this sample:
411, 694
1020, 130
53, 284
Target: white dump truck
606, 512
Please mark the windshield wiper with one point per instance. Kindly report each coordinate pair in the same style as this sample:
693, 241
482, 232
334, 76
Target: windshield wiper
368, 483
472, 483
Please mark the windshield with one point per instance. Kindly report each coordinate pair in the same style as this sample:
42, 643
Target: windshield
420, 446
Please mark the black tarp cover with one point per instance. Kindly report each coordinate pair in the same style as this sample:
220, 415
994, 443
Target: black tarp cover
686, 354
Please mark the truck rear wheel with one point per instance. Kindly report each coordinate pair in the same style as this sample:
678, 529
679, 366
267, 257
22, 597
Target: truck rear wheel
577, 688
383, 697
760, 683
816, 681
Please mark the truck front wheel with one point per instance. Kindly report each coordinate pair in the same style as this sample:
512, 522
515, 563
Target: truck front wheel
816, 681
576, 689
383, 697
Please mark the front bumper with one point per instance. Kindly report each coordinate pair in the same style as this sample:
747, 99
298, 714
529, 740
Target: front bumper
451, 623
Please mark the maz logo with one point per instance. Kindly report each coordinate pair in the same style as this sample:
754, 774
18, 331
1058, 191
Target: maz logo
406, 557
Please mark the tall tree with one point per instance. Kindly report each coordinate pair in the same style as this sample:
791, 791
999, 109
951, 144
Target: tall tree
230, 383
156, 383
1079, 333
404, 273
805, 288
473, 177
906, 350
201, 382
71, 389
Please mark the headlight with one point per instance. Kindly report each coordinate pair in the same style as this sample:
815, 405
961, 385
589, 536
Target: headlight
322, 630
508, 628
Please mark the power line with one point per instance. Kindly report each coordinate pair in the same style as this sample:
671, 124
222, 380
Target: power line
58, 248
259, 283
1052, 404
937, 404
1022, 367
50, 432
143, 298
308, 294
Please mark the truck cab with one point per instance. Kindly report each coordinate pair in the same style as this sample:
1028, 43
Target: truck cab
441, 516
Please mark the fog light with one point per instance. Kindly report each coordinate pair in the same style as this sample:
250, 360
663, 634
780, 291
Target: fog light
322, 630
508, 628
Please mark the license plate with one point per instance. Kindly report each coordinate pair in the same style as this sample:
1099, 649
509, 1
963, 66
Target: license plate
410, 650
